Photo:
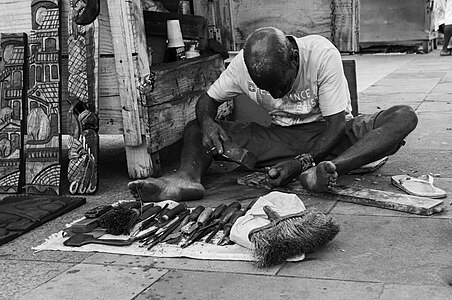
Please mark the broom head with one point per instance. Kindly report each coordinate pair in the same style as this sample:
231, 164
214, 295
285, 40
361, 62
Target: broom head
291, 235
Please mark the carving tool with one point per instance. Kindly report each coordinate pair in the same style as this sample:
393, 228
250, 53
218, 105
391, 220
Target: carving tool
176, 235
225, 240
212, 221
81, 239
192, 217
153, 219
224, 218
203, 218
181, 207
197, 236
168, 229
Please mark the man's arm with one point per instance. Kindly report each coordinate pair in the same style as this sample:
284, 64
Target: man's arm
212, 133
330, 138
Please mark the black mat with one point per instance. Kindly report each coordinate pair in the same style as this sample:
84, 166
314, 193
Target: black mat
20, 214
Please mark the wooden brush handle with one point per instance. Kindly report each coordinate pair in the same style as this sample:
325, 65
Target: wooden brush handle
271, 214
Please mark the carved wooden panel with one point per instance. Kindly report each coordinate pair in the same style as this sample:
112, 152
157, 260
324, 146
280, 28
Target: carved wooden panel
13, 69
43, 139
83, 123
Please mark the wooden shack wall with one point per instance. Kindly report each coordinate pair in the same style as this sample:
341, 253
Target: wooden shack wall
337, 20
394, 21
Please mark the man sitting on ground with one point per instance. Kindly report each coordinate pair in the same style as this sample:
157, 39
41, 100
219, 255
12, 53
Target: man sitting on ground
313, 136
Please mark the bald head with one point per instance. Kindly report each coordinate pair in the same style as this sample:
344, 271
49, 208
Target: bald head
267, 53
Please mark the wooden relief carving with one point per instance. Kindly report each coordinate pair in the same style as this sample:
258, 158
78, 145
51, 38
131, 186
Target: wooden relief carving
43, 139
83, 123
13, 68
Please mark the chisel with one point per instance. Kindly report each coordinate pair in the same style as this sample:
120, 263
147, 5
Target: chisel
227, 214
227, 227
192, 217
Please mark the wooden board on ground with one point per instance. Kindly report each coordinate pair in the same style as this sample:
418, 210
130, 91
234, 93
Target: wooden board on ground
364, 196
13, 93
43, 140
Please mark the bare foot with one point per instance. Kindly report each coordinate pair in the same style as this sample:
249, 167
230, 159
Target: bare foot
320, 178
166, 188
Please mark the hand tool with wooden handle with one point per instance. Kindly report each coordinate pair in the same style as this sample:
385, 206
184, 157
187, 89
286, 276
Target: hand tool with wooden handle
214, 217
228, 212
203, 218
197, 236
225, 240
169, 229
81, 239
151, 220
181, 207
192, 217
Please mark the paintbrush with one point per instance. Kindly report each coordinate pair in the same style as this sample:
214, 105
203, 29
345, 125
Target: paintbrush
291, 235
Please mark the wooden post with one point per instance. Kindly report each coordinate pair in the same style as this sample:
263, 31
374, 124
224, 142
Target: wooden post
138, 159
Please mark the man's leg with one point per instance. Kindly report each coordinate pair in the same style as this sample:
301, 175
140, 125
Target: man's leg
184, 184
447, 36
390, 128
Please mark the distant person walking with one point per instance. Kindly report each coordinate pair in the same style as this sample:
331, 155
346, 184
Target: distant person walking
447, 29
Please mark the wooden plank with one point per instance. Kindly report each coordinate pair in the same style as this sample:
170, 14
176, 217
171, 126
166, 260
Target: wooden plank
363, 196
177, 88
310, 17
345, 25
139, 161
223, 19
13, 97
43, 139
175, 80
122, 43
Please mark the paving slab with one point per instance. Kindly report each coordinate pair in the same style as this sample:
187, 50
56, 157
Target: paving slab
442, 87
410, 292
371, 68
416, 162
239, 267
406, 76
440, 97
203, 285
419, 88
437, 107
370, 103
431, 132
391, 250
97, 282
17, 277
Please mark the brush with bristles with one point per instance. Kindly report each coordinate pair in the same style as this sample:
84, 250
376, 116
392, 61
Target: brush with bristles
291, 235
120, 219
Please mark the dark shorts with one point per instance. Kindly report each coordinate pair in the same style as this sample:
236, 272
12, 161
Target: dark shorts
275, 143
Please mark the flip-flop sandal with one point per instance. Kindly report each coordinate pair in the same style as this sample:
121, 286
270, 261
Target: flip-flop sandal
445, 52
418, 187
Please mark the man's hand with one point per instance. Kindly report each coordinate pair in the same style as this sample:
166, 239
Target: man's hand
284, 172
213, 135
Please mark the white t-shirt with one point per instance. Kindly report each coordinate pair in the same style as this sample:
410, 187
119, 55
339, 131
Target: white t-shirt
320, 88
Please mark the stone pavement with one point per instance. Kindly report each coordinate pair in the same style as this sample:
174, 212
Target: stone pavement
379, 254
